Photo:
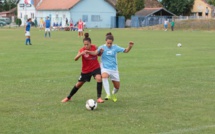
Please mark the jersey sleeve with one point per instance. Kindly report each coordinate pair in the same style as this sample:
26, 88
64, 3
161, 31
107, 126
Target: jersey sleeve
119, 49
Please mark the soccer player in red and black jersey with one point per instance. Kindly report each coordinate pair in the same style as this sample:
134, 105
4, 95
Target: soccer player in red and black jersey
90, 67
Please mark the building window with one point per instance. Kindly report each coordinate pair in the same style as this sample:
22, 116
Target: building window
85, 18
95, 18
32, 15
20, 15
21, 5
26, 17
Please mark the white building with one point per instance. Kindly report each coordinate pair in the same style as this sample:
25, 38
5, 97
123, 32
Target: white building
100, 13
25, 11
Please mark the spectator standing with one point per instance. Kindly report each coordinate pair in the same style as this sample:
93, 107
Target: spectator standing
172, 25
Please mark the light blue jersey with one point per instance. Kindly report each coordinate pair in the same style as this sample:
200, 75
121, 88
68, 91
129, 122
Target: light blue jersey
109, 56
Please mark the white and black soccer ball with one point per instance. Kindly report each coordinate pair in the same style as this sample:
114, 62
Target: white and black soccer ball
179, 45
91, 104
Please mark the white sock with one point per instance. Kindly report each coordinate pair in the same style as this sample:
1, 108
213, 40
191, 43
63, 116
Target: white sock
105, 83
115, 91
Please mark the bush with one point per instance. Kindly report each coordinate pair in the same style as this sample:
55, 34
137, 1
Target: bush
18, 22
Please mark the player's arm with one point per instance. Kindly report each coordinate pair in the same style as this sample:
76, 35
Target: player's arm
100, 52
93, 52
129, 47
79, 55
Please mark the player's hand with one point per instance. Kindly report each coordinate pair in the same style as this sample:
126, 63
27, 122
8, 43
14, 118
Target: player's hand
131, 44
101, 51
84, 52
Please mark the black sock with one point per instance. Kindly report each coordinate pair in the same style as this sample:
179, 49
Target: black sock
73, 91
99, 89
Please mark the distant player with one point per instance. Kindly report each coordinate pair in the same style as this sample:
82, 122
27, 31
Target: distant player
41, 23
80, 28
47, 27
109, 67
27, 32
166, 25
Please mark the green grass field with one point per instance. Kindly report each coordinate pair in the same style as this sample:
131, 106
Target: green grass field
160, 93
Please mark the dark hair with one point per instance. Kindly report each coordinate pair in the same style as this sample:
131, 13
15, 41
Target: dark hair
86, 37
28, 19
109, 36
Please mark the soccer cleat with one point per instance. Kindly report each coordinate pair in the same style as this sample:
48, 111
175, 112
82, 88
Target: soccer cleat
66, 99
108, 97
114, 98
99, 100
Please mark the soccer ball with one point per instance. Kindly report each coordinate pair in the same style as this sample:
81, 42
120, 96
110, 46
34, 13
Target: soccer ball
179, 45
91, 104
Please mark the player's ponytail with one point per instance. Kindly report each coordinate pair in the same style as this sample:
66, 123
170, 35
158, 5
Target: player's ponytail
28, 19
86, 37
109, 36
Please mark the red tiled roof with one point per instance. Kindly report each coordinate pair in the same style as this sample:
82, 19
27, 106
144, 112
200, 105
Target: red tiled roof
36, 2
207, 3
57, 4
10, 11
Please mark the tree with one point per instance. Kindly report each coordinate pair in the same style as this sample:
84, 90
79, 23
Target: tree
5, 6
129, 7
139, 4
8, 4
1, 6
212, 2
178, 7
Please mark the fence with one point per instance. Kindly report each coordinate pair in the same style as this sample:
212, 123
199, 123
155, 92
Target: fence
138, 21
181, 22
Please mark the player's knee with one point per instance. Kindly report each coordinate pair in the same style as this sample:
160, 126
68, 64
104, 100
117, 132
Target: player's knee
105, 75
98, 78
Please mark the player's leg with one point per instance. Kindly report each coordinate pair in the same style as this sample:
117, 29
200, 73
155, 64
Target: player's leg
79, 33
45, 32
73, 91
106, 85
49, 31
98, 78
82, 33
82, 79
116, 83
29, 39
27, 34
26, 41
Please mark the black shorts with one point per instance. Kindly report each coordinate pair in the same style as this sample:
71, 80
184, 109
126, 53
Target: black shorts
87, 77
206, 14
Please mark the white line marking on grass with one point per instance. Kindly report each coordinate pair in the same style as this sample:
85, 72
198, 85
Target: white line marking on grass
180, 131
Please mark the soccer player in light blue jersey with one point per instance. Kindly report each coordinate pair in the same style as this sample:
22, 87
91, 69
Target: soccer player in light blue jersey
47, 27
27, 32
109, 66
